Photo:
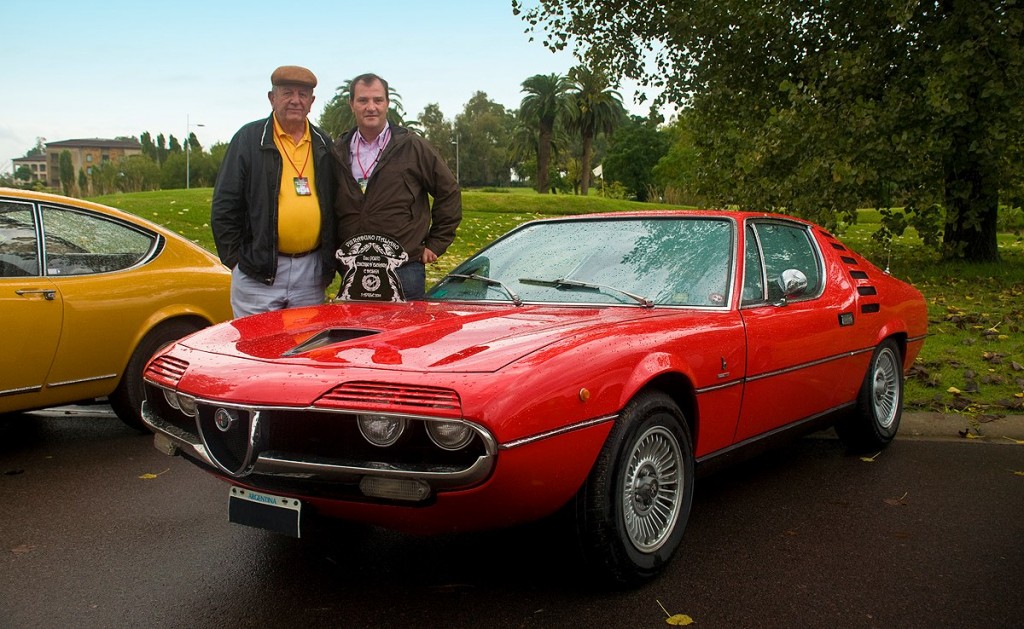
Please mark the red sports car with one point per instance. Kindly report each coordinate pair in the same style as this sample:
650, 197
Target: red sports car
592, 363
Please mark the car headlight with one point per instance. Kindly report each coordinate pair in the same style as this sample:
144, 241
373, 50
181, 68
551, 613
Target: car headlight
449, 435
172, 399
187, 404
381, 430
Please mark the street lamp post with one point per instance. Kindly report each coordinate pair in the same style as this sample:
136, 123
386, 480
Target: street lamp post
456, 143
188, 165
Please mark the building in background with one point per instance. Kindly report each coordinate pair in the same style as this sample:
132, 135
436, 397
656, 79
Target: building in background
36, 165
84, 155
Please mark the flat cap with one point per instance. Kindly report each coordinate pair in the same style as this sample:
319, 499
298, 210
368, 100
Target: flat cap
293, 75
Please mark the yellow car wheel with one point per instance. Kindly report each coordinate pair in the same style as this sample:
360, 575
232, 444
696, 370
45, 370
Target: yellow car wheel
126, 400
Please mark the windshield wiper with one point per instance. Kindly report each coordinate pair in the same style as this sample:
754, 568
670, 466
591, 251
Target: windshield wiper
491, 282
576, 284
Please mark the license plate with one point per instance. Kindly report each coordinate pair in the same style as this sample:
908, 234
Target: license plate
264, 511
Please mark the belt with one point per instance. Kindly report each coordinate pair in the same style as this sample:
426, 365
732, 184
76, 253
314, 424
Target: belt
296, 255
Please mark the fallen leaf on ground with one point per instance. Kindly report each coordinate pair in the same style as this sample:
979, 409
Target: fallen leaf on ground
150, 476
23, 549
1019, 442
870, 459
897, 502
676, 620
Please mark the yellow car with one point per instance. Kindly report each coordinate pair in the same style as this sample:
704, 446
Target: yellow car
87, 294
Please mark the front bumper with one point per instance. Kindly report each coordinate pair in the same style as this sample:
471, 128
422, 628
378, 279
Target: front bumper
315, 451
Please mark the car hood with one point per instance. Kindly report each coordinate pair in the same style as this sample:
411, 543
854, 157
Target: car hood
412, 336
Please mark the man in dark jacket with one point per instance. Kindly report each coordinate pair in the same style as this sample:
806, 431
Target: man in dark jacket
385, 179
272, 215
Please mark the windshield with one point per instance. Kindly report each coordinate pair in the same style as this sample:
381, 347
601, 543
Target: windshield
676, 261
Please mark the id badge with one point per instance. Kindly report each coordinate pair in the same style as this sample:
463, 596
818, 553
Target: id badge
302, 186
362, 184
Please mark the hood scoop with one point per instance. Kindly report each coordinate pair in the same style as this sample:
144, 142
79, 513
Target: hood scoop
329, 337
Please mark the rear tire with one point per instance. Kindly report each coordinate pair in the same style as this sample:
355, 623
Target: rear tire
633, 508
126, 400
876, 419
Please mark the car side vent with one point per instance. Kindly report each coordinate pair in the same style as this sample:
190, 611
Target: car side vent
849, 260
329, 337
870, 308
858, 275
838, 246
393, 398
166, 369
866, 290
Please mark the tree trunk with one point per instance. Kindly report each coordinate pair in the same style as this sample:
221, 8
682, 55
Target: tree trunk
972, 201
543, 161
588, 145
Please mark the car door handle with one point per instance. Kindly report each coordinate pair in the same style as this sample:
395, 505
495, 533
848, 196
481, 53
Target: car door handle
48, 294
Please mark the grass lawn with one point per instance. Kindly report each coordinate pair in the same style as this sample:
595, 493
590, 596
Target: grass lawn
972, 362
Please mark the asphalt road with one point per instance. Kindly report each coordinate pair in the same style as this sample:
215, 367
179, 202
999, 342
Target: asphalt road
97, 529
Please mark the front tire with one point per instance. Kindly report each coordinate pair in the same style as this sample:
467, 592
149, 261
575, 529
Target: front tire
126, 400
876, 419
633, 508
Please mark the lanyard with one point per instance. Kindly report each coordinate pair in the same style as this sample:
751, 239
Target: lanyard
382, 140
287, 156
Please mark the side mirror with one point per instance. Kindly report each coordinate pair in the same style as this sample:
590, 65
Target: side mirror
792, 282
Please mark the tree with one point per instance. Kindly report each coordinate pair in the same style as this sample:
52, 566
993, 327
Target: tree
172, 172
676, 173
39, 150
632, 155
523, 152
485, 133
337, 117
83, 182
149, 149
104, 178
596, 108
545, 100
24, 173
66, 168
161, 149
439, 132
217, 152
138, 173
815, 107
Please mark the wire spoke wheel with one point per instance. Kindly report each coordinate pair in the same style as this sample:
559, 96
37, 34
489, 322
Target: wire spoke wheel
652, 489
873, 422
632, 511
885, 388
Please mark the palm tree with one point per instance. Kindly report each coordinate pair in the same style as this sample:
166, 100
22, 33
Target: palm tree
337, 117
545, 99
596, 109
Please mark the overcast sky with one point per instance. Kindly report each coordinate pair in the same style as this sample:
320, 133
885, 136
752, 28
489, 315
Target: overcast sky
108, 68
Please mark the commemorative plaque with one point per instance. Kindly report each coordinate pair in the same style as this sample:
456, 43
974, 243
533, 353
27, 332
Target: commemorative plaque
370, 262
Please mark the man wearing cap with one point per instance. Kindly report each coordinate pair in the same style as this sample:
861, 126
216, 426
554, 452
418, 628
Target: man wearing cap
272, 214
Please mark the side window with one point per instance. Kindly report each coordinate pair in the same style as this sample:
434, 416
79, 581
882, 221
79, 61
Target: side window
786, 246
19, 246
77, 243
753, 272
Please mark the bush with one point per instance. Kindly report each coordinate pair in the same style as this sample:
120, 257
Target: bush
1010, 219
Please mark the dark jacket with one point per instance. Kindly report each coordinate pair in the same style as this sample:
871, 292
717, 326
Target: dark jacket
397, 199
244, 212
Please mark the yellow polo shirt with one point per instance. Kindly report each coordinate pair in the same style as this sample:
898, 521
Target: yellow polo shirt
298, 214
